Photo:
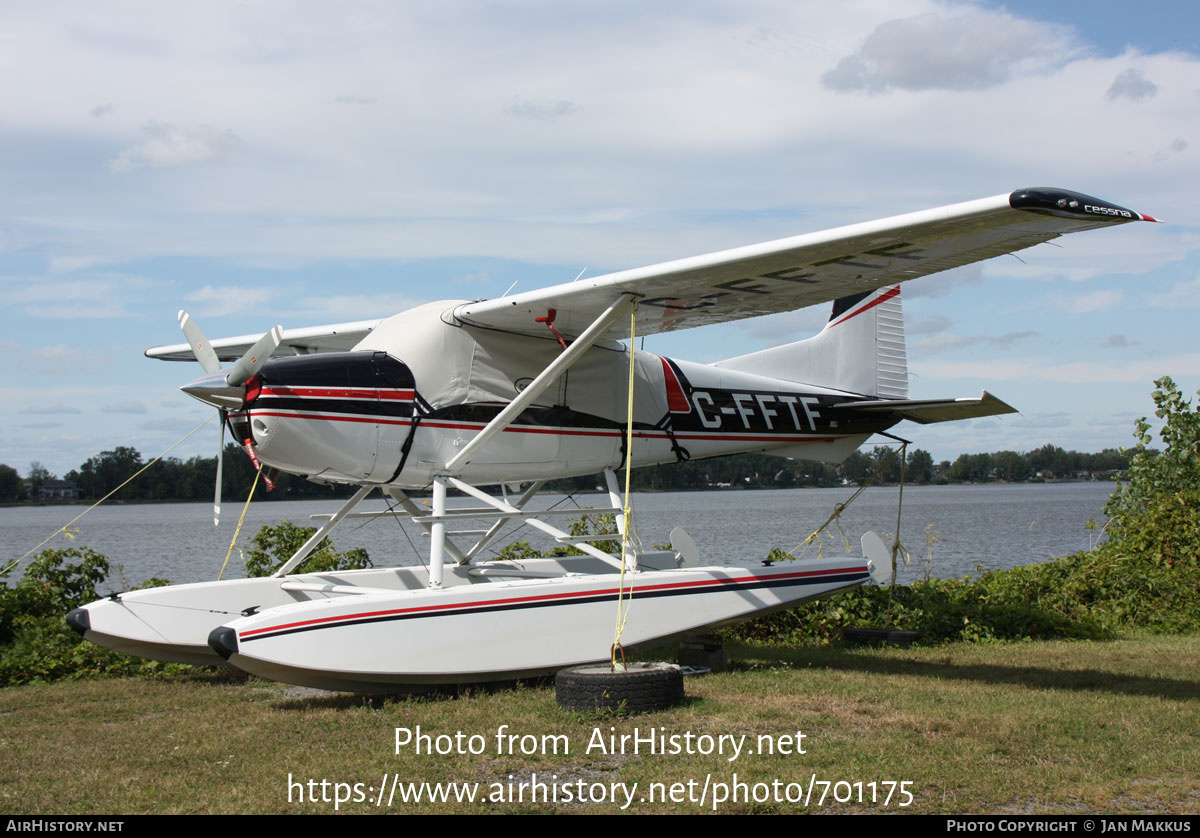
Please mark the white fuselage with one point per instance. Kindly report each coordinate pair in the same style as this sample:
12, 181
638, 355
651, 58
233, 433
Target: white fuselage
351, 417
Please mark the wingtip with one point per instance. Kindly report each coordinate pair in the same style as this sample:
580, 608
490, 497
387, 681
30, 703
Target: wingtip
1068, 204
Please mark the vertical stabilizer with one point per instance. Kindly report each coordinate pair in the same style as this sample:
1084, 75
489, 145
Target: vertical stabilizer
860, 350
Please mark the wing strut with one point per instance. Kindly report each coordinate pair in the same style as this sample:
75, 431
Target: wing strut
552, 371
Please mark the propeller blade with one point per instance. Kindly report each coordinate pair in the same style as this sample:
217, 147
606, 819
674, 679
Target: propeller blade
200, 347
220, 463
255, 357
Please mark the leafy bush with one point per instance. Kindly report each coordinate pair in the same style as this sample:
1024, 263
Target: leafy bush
939, 609
35, 642
585, 524
1146, 576
52, 586
272, 546
37, 645
1155, 512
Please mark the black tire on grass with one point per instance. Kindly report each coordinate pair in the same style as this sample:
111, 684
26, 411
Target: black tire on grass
641, 688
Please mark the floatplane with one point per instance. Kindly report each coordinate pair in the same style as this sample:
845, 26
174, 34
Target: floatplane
494, 397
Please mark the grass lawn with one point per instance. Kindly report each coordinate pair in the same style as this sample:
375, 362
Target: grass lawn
1047, 727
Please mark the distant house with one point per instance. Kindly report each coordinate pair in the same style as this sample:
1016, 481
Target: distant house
58, 489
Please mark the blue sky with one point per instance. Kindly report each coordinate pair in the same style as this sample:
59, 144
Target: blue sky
300, 163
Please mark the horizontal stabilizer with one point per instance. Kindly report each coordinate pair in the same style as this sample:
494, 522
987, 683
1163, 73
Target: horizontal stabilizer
927, 411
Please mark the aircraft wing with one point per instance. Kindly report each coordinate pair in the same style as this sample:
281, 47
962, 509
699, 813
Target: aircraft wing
804, 270
340, 337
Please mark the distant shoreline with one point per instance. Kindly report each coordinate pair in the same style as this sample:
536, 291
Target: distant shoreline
642, 491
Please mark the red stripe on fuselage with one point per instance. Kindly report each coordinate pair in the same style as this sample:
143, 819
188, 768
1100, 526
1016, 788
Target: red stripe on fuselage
337, 393
524, 429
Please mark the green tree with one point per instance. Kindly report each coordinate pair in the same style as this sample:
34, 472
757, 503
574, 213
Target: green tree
971, 468
105, 471
38, 474
1010, 465
11, 485
919, 468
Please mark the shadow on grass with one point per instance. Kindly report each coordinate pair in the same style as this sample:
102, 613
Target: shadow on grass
308, 698
885, 663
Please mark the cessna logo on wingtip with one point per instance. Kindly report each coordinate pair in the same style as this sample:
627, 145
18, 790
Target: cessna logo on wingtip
1107, 211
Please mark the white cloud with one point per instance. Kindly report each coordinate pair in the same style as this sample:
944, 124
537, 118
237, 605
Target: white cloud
944, 343
776, 329
1102, 300
967, 52
91, 297
1181, 295
61, 358
1118, 341
107, 38
124, 407
1056, 419
929, 325
167, 425
480, 278
345, 307
167, 146
1131, 84
1075, 372
222, 301
1177, 146
942, 284
52, 409
545, 110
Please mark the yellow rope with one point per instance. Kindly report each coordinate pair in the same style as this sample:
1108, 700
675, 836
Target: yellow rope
623, 602
241, 520
897, 547
63, 529
838, 509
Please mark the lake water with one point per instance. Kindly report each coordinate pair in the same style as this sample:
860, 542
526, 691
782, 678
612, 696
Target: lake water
980, 527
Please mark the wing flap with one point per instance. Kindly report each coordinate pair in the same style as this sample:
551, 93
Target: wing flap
801, 271
338, 337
